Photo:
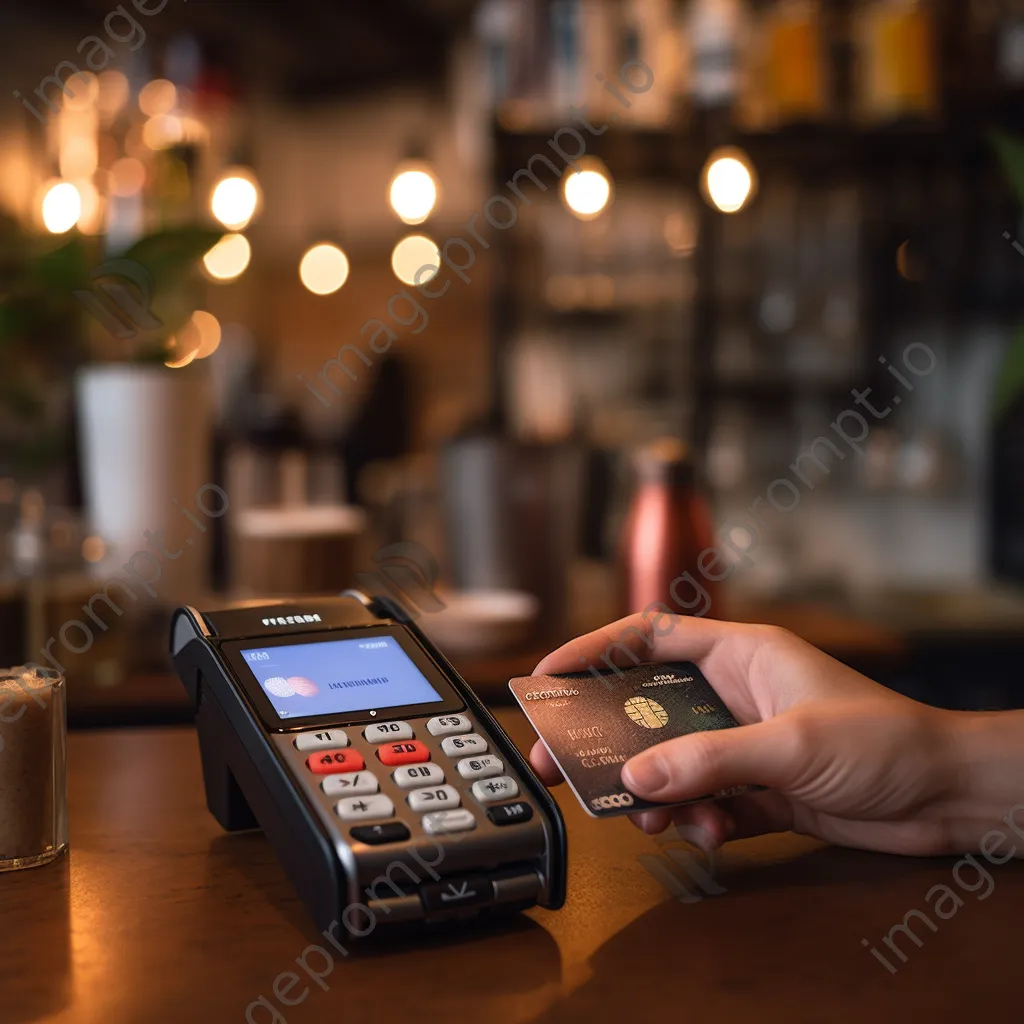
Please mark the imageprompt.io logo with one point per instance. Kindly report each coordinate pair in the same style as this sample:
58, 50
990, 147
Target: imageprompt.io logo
408, 573
683, 873
122, 311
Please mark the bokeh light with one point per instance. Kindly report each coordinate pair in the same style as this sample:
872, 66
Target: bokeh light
79, 156
587, 191
728, 180
228, 258
176, 363
90, 220
162, 131
85, 89
113, 93
127, 176
157, 97
235, 200
93, 548
62, 207
324, 268
207, 326
413, 195
411, 255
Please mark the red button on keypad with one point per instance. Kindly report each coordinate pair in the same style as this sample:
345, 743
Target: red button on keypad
407, 752
330, 762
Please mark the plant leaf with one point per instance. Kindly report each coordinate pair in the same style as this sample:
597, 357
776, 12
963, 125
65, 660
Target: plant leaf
1011, 154
1010, 381
170, 255
61, 270
15, 321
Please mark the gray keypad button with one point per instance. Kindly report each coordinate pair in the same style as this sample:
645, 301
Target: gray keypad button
480, 767
385, 732
437, 798
460, 746
415, 776
331, 739
361, 808
439, 822
449, 725
350, 784
489, 791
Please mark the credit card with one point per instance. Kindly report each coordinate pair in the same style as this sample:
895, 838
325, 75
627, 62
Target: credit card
592, 726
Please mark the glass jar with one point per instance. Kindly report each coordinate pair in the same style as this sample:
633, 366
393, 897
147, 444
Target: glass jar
33, 767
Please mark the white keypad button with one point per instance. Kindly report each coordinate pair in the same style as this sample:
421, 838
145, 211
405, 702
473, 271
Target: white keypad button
488, 791
327, 740
350, 784
459, 746
385, 732
361, 808
438, 798
415, 776
439, 822
449, 725
480, 767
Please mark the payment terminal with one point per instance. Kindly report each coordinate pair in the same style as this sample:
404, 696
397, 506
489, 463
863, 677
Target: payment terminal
381, 781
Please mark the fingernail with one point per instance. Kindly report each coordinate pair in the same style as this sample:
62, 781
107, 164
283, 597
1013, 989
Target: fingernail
645, 774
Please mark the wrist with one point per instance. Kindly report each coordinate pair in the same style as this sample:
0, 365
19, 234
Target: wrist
986, 759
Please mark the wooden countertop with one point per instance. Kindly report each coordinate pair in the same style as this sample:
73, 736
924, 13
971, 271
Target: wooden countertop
155, 915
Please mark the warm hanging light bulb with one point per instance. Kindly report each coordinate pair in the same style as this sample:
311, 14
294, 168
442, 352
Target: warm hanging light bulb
413, 193
589, 190
728, 181
415, 259
62, 207
235, 199
228, 258
323, 268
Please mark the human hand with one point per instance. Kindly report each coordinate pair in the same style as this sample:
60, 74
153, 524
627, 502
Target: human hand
844, 759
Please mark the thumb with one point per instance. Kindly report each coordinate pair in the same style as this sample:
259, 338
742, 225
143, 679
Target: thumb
703, 763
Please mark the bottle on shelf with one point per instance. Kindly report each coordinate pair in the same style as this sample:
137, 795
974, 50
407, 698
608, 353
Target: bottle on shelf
568, 58
796, 65
897, 77
716, 30
1010, 44
648, 36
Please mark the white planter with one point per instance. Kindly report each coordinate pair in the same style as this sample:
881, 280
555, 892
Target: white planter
145, 444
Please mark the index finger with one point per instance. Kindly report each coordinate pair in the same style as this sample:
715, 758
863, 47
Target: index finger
643, 636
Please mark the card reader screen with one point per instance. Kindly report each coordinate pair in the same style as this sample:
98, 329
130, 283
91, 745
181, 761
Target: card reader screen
337, 676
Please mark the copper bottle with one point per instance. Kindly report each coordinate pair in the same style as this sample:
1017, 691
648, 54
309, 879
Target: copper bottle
667, 527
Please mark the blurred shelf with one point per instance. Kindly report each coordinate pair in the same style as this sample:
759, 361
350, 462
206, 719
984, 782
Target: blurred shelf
975, 612
628, 152
841, 150
757, 390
